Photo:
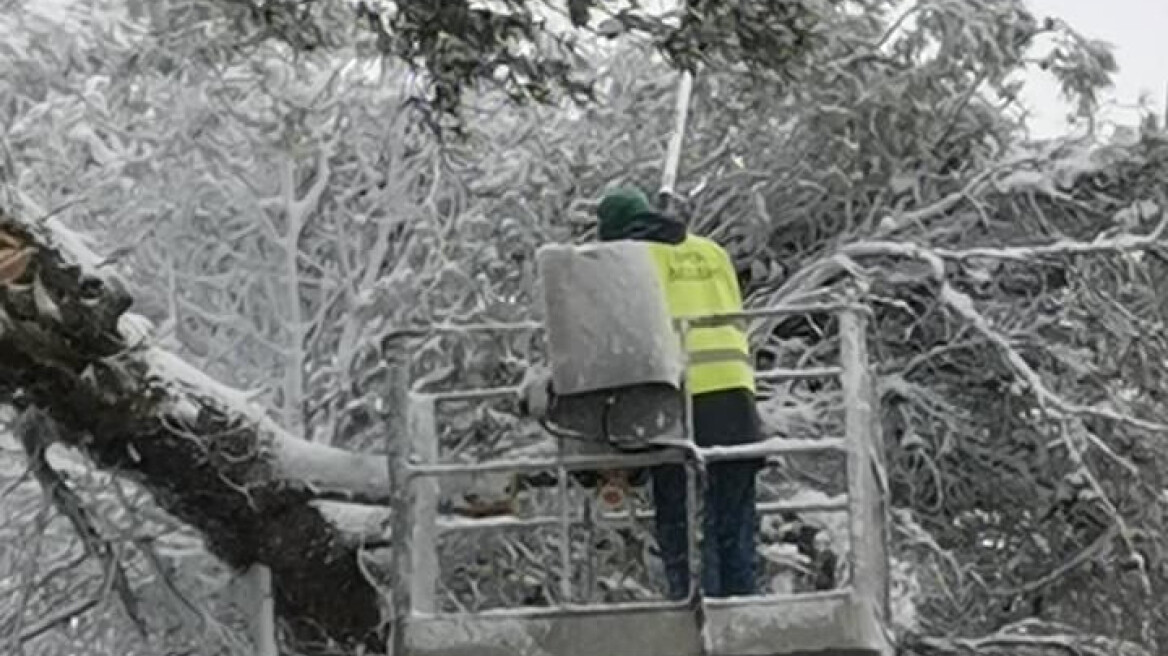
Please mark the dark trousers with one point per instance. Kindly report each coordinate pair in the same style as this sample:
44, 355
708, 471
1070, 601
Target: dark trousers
728, 541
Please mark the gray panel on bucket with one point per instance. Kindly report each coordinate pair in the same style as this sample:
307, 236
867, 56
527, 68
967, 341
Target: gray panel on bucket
629, 633
825, 624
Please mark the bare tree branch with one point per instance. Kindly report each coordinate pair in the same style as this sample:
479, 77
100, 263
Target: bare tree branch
36, 433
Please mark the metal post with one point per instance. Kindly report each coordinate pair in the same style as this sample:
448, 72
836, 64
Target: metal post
565, 528
692, 517
865, 493
588, 566
410, 436
422, 436
693, 477
263, 619
397, 451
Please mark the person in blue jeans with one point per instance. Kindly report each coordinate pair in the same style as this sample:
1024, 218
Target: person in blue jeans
699, 279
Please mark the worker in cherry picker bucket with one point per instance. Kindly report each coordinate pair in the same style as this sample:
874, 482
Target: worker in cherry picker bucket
699, 279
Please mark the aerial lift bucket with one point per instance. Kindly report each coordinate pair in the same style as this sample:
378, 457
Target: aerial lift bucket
848, 621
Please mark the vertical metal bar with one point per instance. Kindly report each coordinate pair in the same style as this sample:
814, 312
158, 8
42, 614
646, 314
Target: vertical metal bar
692, 468
882, 536
397, 452
865, 498
588, 536
881, 514
565, 528
422, 434
694, 553
263, 615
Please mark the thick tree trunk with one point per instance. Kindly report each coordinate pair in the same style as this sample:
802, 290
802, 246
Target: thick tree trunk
208, 457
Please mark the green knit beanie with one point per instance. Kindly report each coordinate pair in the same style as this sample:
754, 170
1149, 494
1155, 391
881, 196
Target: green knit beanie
617, 210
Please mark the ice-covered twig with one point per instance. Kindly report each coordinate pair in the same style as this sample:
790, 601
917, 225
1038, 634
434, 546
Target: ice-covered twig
890, 225
1092, 550
1117, 244
35, 429
964, 307
1029, 634
962, 304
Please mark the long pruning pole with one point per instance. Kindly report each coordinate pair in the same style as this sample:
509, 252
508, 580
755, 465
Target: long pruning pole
666, 195
673, 154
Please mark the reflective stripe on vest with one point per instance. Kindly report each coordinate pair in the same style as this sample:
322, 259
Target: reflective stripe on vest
699, 280
718, 355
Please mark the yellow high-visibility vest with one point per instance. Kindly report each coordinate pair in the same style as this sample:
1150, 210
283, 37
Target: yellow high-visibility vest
699, 280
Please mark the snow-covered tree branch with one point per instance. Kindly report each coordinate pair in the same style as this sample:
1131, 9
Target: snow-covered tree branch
210, 456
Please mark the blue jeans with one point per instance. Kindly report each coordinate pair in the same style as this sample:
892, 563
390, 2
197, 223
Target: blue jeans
728, 542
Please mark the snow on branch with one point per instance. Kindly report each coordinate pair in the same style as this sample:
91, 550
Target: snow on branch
964, 306
1038, 637
891, 225
1096, 548
1122, 243
63, 264
366, 525
207, 454
331, 472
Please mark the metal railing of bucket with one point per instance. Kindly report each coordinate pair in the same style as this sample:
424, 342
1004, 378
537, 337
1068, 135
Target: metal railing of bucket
414, 476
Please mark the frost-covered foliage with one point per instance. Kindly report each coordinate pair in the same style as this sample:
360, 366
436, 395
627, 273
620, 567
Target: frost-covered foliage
531, 50
278, 215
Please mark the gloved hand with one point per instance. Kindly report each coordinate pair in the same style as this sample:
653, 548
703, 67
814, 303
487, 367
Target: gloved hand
535, 394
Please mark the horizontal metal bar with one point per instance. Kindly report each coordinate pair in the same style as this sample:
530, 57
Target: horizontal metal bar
486, 327
775, 599
483, 523
546, 612
509, 522
628, 460
765, 375
472, 394
838, 504
551, 612
487, 523
770, 447
572, 463
696, 321
777, 374
709, 321
763, 508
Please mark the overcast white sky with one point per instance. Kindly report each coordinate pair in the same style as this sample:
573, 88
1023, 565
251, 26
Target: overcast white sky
1138, 29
